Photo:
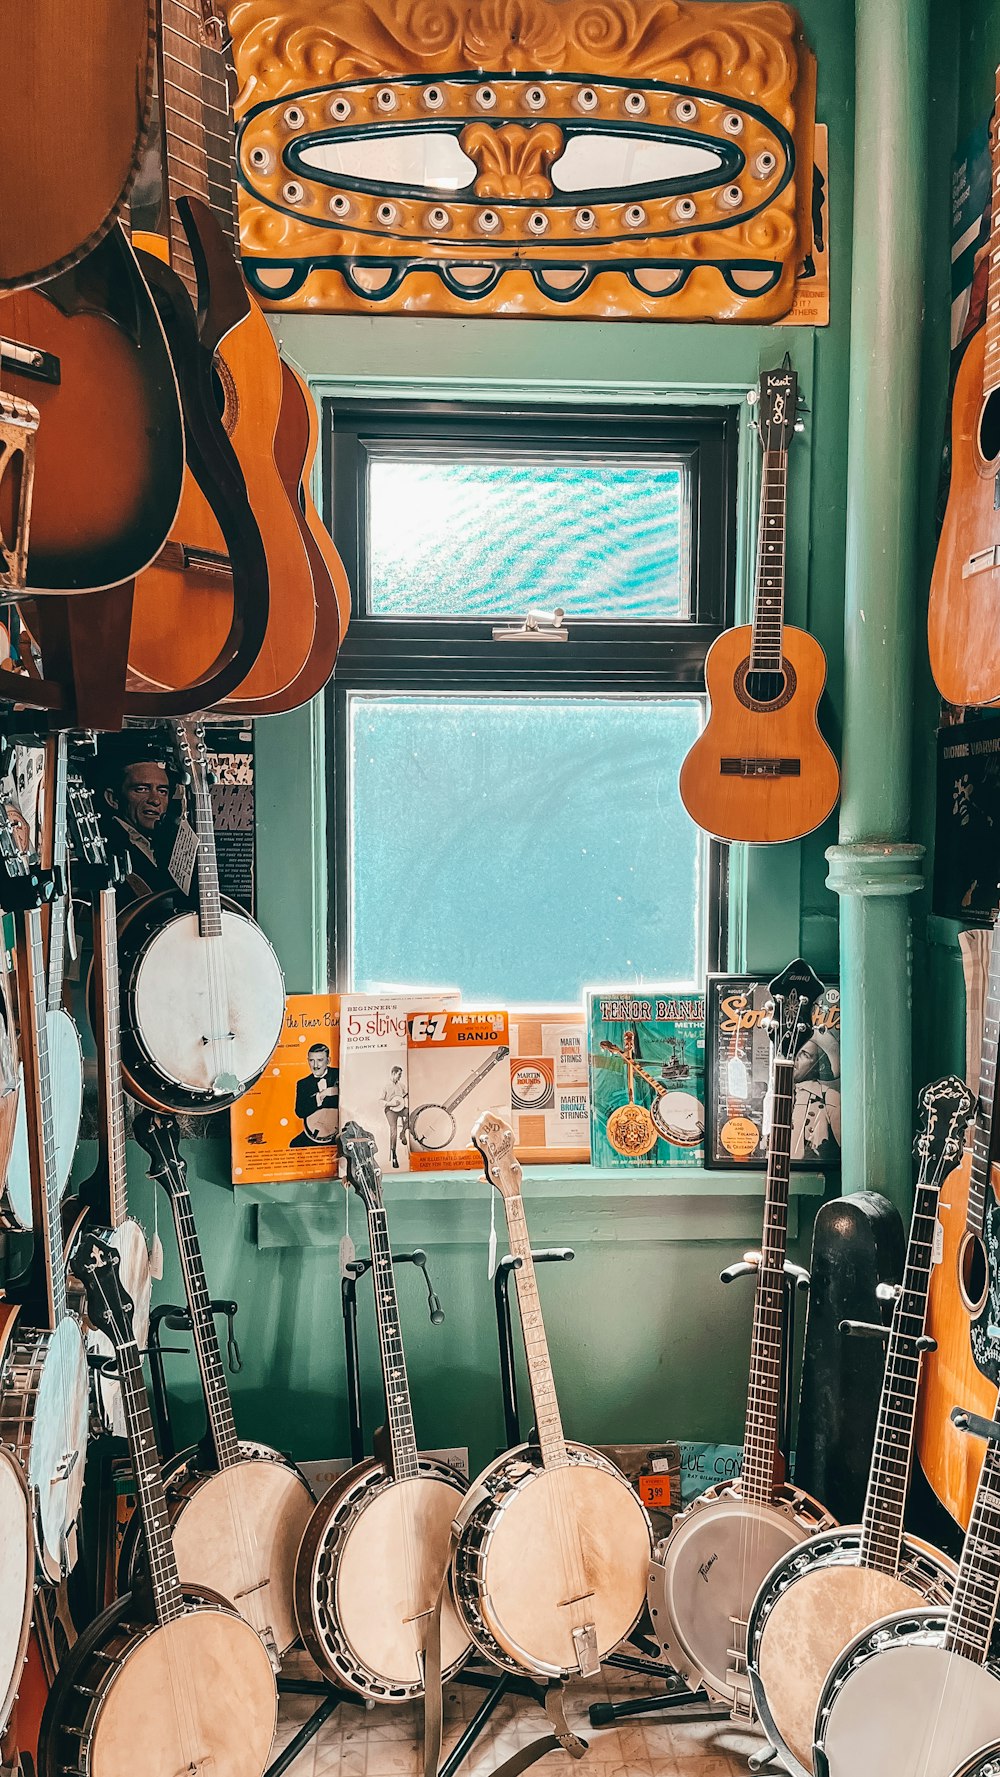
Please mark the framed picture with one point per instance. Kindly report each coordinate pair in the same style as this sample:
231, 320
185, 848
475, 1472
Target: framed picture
737, 1070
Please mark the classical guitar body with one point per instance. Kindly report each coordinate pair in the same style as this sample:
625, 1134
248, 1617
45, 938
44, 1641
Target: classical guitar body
761, 771
951, 1377
109, 454
295, 450
963, 632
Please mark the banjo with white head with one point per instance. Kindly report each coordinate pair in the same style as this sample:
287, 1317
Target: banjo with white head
374, 1556
237, 1510
826, 1591
552, 1545
203, 995
705, 1574
17, 1578
985, 1763
170, 1681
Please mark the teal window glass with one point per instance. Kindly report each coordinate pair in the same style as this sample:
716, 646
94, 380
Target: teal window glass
522, 848
602, 538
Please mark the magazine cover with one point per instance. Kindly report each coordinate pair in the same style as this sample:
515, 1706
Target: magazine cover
549, 1090
647, 1076
739, 1064
374, 1086
459, 1066
286, 1126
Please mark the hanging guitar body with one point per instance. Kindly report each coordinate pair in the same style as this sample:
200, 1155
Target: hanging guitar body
109, 449
45, 1420
195, 1694
368, 1572
17, 1579
961, 614
295, 446
268, 1502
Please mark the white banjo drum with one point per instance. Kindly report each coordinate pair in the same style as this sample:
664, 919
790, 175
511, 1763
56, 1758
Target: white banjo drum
17, 1577
828, 1590
374, 1556
203, 995
705, 1574
171, 1681
552, 1545
237, 1516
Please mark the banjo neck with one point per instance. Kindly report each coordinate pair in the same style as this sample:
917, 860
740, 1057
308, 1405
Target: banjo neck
111, 1096
972, 1614
47, 1277
402, 1437
469, 1085
209, 896
760, 1445
56, 774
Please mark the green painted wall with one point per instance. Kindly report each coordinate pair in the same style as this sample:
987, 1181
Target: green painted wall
645, 1341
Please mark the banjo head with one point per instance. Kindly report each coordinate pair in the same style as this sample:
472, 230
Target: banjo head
897, 1701
66, 1065
814, 1602
184, 985
431, 1126
679, 1118
58, 1451
17, 1574
705, 1577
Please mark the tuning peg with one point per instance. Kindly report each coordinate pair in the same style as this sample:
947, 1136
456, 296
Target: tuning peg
753, 396
800, 426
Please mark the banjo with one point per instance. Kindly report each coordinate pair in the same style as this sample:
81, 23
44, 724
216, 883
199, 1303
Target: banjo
237, 1510
170, 1669
65, 1054
551, 1545
374, 1556
106, 1191
202, 991
43, 1359
432, 1126
706, 1572
826, 1591
985, 1763
17, 1576
677, 1116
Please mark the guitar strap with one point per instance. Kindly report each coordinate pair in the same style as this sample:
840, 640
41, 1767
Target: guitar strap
552, 1699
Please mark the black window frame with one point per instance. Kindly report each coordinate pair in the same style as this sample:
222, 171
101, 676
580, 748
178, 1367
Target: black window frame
440, 654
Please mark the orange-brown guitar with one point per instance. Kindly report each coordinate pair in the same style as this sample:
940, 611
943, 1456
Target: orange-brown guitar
761, 770
963, 616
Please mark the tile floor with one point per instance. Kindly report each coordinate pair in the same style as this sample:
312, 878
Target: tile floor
385, 1742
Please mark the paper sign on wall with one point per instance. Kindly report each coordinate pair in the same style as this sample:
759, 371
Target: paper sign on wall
286, 1126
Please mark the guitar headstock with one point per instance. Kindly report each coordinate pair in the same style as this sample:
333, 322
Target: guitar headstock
777, 403
110, 1308
794, 993
495, 1140
361, 1154
946, 1106
157, 1134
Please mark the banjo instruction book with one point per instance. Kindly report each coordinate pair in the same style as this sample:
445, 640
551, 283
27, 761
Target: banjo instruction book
647, 1076
286, 1126
459, 1067
374, 1082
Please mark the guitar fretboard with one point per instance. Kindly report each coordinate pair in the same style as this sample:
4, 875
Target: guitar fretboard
197, 136
973, 1612
991, 365
548, 1420
760, 1444
769, 593
45, 1194
982, 1128
402, 1437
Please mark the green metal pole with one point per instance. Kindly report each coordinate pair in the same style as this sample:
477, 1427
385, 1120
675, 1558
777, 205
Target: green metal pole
874, 869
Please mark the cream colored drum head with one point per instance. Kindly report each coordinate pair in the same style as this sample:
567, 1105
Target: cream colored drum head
197, 1695
208, 1008
912, 1710
680, 1118
57, 1457
389, 1575
574, 1534
713, 1564
17, 1573
66, 1073
239, 1533
137, 1282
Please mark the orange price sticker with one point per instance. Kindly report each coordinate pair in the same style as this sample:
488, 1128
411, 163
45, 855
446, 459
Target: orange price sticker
654, 1490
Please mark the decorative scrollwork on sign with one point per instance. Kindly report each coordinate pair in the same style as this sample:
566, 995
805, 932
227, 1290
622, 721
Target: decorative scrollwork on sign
603, 158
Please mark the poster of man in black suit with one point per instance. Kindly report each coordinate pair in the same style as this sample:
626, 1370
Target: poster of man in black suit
319, 1090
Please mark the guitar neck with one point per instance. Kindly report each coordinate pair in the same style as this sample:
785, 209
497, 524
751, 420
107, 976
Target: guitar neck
49, 1279
892, 1456
197, 137
111, 1098
991, 357
760, 1444
769, 592
218, 1402
548, 1421
164, 1579
972, 1614
402, 1437
984, 1122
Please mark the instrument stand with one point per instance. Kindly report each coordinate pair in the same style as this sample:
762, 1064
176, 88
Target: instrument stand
679, 1696
179, 1321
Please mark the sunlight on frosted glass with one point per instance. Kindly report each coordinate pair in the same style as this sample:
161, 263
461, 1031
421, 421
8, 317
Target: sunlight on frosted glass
522, 848
491, 539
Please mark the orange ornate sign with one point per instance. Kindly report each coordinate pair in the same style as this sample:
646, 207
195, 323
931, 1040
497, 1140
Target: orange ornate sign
598, 158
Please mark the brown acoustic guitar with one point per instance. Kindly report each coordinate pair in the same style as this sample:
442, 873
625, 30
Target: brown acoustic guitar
964, 1302
963, 634
761, 770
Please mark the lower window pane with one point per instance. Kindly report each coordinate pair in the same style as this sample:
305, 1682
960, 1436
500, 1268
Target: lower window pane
521, 848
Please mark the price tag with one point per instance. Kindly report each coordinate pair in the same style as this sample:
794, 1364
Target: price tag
182, 858
654, 1491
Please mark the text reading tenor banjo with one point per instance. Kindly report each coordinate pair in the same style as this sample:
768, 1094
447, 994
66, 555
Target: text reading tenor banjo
375, 1554
823, 1593
551, 1543
706, 1573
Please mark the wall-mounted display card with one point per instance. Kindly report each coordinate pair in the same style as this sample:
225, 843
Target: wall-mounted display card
286, 1126
738, 1069
549, 1089
647, 1073
459, 1064
374, 1087
967, 820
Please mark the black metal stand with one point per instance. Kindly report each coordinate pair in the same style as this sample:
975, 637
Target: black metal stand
353, 1272
177, 1320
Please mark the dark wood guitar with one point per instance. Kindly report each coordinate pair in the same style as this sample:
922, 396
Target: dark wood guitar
962, 631
761, 771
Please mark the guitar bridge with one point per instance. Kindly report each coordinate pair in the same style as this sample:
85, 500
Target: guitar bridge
18, 432
585, 1647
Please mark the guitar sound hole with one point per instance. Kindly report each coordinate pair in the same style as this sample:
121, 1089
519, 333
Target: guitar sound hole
989, 427
764, 687
973, 1273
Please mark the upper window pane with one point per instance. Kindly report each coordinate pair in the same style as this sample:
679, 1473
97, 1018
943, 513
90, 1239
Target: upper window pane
603, 538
